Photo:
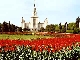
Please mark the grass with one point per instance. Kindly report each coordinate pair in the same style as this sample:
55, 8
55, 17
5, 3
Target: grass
25, 37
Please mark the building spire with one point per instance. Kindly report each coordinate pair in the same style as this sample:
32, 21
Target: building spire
34, 3
34, 13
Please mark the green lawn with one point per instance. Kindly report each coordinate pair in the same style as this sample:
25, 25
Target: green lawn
25, 37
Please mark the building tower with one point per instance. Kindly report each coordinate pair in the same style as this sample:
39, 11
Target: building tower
34, 20
23, 23
45, 23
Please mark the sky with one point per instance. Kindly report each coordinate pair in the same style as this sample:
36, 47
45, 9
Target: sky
55, 10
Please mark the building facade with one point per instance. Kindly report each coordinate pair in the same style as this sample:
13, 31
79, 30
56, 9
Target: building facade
34, 24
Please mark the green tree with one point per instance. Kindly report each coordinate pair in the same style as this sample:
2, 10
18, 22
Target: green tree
71, 26
13, 28
50, 28
16, 28
0, 27
56, 27
5, 27
25, 29
65, 25
42, 29
63, 29
20, 29
9, 26
60, 27
77, 22
76, 30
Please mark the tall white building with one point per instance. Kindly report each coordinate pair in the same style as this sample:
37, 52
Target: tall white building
34, 24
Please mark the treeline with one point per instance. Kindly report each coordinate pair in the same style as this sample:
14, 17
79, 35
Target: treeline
7, 27
73, 27
54, 28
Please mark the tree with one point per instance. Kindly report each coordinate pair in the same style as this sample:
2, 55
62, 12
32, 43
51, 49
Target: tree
64, 29
77, 22
0, 27
5, 27
76, 30
47, 28
42, 29
50, 28
71, 26
12, 28
60, 27
24, 29
20, 29
16, 28
66, 25
9, 26
56, 27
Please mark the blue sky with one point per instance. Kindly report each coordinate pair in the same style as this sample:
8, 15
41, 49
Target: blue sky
55, 10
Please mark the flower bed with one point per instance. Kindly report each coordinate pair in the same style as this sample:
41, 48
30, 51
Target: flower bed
46, 49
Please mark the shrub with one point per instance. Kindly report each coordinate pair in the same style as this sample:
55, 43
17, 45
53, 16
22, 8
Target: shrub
69, 31
76, 31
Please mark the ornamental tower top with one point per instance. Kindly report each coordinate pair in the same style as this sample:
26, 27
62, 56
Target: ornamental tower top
34, 12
